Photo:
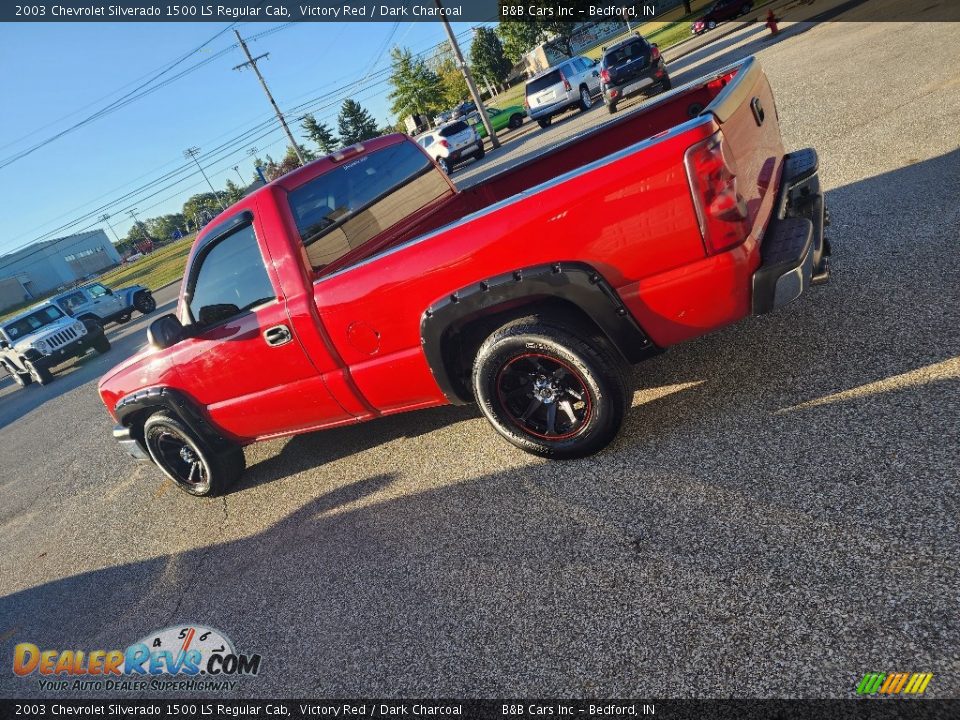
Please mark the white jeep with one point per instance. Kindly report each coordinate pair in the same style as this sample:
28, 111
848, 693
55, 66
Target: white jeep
40, 338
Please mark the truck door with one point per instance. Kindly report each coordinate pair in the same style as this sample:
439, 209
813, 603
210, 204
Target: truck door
242, 360
103, 302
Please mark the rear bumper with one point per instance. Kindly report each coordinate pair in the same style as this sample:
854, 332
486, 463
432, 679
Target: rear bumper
129, 444
793, 244
617, 91
542, 111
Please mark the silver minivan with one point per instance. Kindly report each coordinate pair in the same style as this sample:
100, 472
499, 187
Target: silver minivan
572, 83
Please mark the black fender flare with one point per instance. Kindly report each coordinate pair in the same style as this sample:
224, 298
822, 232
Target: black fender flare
176, 402
573, 282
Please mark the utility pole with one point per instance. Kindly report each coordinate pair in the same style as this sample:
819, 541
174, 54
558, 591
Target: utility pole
252, 152
252, 62
237, 168
468, 77
105, 218
191, 154
136, 222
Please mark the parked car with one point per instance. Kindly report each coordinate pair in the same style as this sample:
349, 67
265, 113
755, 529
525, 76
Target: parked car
572, 83
509, 117
42, 337
463, 109
451, 144
96, 303
718, 12
629, 67
365, 284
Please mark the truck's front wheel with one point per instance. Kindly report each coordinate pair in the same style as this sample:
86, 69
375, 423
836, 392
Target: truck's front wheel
194, 466
549, 391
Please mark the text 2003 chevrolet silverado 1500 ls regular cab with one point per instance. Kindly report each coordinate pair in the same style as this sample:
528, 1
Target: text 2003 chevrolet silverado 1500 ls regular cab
365, 284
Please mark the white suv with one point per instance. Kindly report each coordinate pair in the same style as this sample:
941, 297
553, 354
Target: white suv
572, 83
451, 144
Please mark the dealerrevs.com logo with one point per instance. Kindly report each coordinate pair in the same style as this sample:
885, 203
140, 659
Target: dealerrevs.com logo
190, 657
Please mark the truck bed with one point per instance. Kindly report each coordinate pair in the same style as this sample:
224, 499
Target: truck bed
657, 117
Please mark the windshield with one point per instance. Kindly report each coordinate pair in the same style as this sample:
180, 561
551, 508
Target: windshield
344, 208
543, 82
32, 322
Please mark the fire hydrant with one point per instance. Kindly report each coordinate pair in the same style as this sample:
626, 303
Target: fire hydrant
772, 23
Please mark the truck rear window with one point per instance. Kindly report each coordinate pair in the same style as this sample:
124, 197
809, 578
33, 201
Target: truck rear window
543, 82
356, 201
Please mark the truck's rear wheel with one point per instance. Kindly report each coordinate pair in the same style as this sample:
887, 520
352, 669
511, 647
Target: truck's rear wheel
38, 374
548, 390
188, 460
544, 122
144, 302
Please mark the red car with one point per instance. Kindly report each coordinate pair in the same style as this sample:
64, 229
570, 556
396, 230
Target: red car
720, 11
365, 284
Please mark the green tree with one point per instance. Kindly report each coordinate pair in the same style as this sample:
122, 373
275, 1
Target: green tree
233, 192
520, 36
321, 134
163, 227
199, 209
416, 88
487, 57
453, 84
355, 123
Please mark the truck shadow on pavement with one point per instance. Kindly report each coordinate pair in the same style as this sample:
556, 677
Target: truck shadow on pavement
801, 476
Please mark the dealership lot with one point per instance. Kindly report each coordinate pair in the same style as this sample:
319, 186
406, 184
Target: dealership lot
778, 516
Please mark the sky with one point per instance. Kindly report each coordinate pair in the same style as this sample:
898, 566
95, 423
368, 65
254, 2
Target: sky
57, 74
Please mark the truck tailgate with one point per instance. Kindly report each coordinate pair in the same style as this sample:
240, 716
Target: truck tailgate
746, 113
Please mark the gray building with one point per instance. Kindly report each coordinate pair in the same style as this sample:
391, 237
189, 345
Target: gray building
38, 269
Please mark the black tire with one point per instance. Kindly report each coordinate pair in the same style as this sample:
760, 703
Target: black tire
522, 371
666, 84
545, 122
144, 303
21, 379
188, 460
611, 108
746, 8
102, 344
480, 153
39, 375
711, 25
586, 102
444, 165
515, 121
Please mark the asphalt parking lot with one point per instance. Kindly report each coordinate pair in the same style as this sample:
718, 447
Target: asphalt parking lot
778, 516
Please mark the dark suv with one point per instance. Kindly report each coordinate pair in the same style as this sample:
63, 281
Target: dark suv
631, 66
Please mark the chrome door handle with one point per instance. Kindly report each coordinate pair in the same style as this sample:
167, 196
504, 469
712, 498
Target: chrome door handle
277, 335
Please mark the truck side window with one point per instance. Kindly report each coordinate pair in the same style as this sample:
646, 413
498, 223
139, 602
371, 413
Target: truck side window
354, 202
232, 279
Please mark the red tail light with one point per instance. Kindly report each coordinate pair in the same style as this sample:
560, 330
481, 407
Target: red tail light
443, 143
721, 210
605, 75
654, 54
566, 83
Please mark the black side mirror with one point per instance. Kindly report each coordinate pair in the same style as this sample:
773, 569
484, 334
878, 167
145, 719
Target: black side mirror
109, 291
4, 344
165, 332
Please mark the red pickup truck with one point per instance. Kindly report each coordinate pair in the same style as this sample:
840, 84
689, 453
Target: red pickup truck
366, 284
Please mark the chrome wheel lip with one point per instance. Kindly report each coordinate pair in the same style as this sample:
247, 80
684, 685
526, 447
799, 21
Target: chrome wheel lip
557, 387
